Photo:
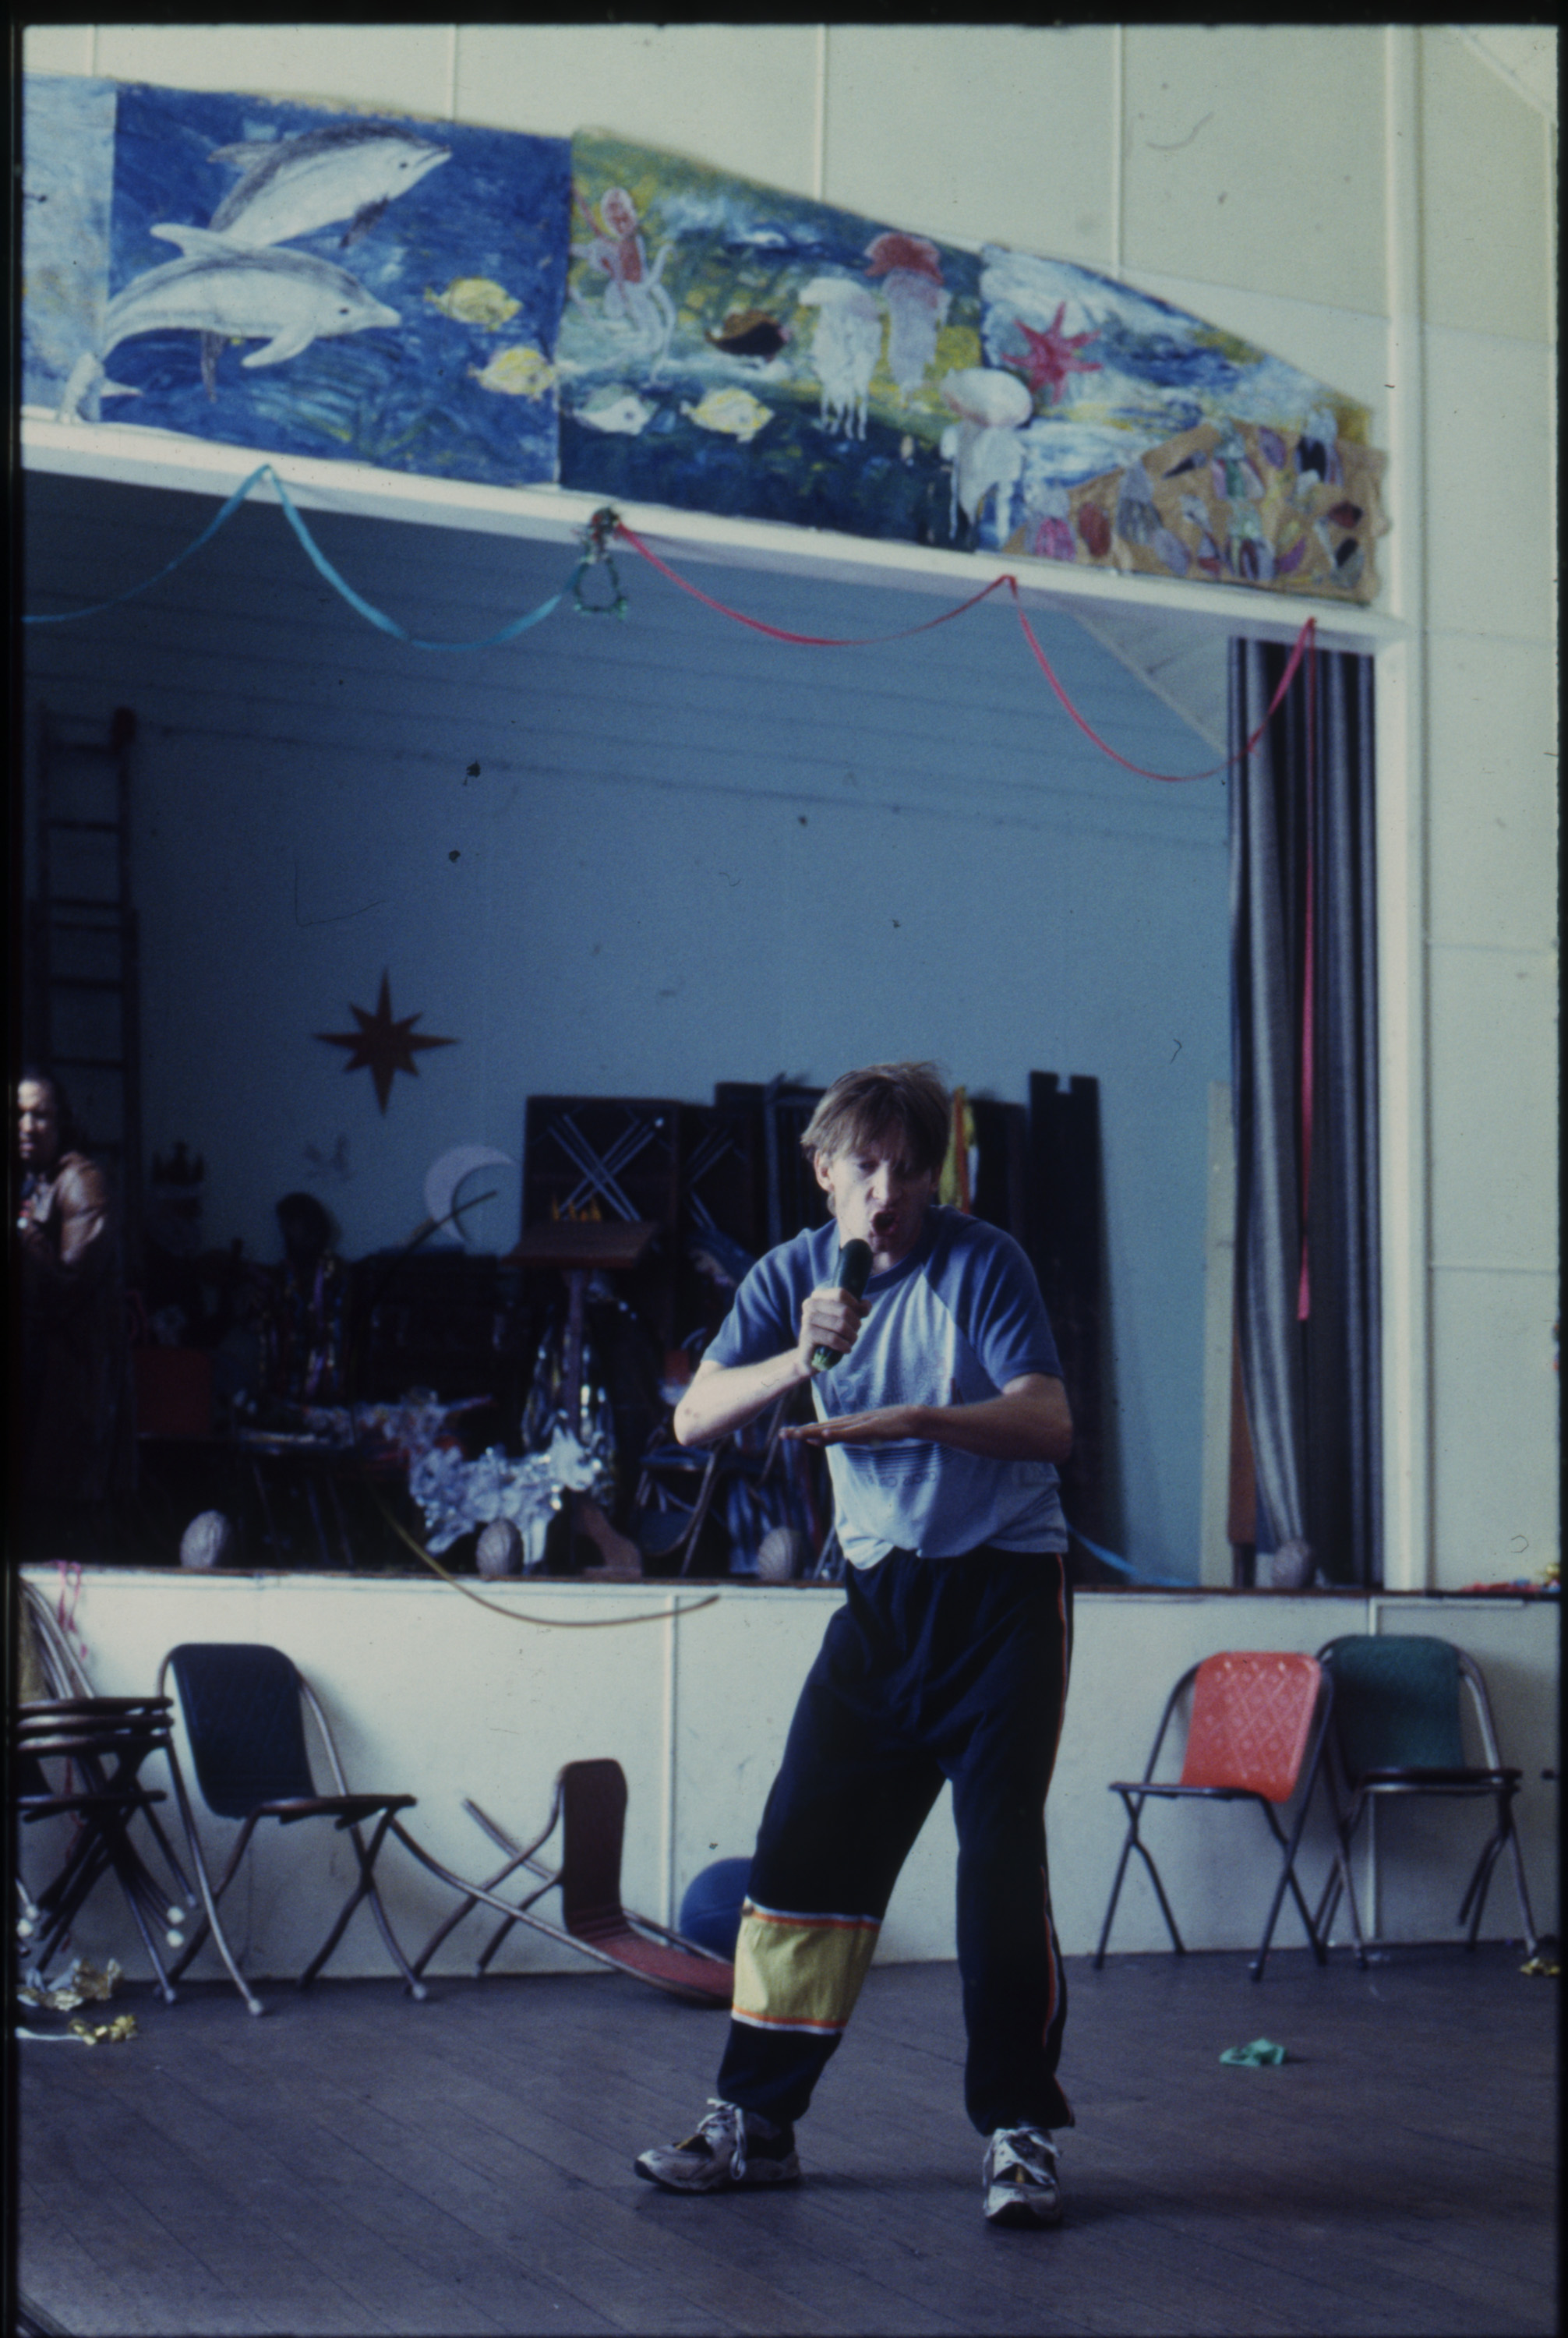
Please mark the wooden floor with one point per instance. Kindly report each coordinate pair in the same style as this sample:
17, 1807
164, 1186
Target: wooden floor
355, 2162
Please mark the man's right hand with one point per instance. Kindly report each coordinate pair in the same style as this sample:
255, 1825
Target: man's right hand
830, 1317
725, 1397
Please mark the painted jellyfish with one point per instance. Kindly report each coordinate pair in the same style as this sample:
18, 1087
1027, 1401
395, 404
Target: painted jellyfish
844, 348
982, 445
917, 303
634, 297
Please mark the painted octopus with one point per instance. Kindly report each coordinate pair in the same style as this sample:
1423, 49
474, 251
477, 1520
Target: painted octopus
633, 296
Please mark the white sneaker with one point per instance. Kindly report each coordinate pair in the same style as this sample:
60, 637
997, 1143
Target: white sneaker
1019, 2176
732, 2149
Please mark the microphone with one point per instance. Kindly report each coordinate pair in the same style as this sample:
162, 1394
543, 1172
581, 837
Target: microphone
854, 1274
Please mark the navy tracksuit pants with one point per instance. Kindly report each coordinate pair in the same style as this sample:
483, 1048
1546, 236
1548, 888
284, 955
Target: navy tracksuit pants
933, 1669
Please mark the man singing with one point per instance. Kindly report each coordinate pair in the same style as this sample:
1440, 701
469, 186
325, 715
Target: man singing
943, 1412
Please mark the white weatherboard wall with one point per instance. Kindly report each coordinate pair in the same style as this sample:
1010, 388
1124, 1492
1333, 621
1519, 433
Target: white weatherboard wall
1374, 203
429, 1695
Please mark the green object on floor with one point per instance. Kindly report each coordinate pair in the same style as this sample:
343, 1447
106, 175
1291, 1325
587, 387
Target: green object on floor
1262, 2053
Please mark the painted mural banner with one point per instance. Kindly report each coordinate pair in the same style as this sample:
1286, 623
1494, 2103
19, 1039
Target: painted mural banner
1159, 444
728, 347
298, 278
488, 306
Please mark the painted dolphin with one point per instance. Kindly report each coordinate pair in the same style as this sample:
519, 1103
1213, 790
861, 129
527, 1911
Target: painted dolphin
286, 299
292, 186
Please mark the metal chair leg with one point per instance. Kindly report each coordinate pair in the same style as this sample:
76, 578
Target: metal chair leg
1134, 1843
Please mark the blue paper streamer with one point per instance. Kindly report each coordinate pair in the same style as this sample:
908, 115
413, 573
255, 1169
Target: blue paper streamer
318, 559
1157, 1582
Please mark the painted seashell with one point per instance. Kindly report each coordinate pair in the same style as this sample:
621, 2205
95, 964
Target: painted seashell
1054, 541
1095, 530
749, 333
1136, 515
1171, 551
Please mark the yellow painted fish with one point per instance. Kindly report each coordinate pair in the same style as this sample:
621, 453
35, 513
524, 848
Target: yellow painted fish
475, 301
735, 412
518, 372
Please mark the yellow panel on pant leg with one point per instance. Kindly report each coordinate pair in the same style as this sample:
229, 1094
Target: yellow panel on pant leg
800, 1972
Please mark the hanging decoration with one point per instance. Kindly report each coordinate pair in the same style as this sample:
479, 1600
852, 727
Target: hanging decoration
487, 306
383, 1043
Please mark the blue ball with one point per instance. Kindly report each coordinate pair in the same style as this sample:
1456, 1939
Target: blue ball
711, 1910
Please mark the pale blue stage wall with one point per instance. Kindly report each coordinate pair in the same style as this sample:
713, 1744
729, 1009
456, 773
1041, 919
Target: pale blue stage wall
687, 853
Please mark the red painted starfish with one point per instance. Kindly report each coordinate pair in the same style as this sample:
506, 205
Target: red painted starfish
1049, 357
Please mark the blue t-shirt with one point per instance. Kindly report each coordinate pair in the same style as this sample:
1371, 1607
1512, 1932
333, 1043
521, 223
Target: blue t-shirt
950, 1324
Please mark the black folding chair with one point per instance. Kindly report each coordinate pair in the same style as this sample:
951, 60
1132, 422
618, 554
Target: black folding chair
243, 1707
79, 1758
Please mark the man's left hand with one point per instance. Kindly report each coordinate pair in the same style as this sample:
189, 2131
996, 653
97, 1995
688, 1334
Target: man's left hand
884, 1425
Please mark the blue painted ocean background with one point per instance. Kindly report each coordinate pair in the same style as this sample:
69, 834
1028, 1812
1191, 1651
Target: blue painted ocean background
402, 397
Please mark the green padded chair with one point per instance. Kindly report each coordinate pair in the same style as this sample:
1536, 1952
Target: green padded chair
1396, 1731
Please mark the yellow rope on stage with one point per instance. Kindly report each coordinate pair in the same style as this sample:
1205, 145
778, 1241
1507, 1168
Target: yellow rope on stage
552, 1623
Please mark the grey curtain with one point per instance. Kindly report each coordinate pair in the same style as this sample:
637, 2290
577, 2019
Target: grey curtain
1305, 1069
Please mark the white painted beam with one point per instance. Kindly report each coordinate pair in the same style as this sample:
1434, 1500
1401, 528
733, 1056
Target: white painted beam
161, 458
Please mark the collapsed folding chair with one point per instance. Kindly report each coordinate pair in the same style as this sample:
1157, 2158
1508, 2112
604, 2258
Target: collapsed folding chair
243, 1710
100, 1743
1257, 1732
1397, 1732
590, 1807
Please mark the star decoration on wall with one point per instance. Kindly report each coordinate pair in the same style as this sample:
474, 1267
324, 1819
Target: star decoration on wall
383, 1043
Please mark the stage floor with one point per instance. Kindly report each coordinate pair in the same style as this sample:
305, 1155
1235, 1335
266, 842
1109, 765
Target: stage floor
356, 2162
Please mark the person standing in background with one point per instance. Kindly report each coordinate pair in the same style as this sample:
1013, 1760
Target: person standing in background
77, 1409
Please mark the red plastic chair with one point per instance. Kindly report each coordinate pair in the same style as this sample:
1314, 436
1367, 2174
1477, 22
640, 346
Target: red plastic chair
1257, 1732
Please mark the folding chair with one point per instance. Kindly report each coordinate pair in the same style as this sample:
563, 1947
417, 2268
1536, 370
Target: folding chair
590, 1807
1397, 1732
1256, 1734
244, 1723
101, 1744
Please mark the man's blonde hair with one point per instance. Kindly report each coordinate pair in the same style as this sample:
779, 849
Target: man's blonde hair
863, 1108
